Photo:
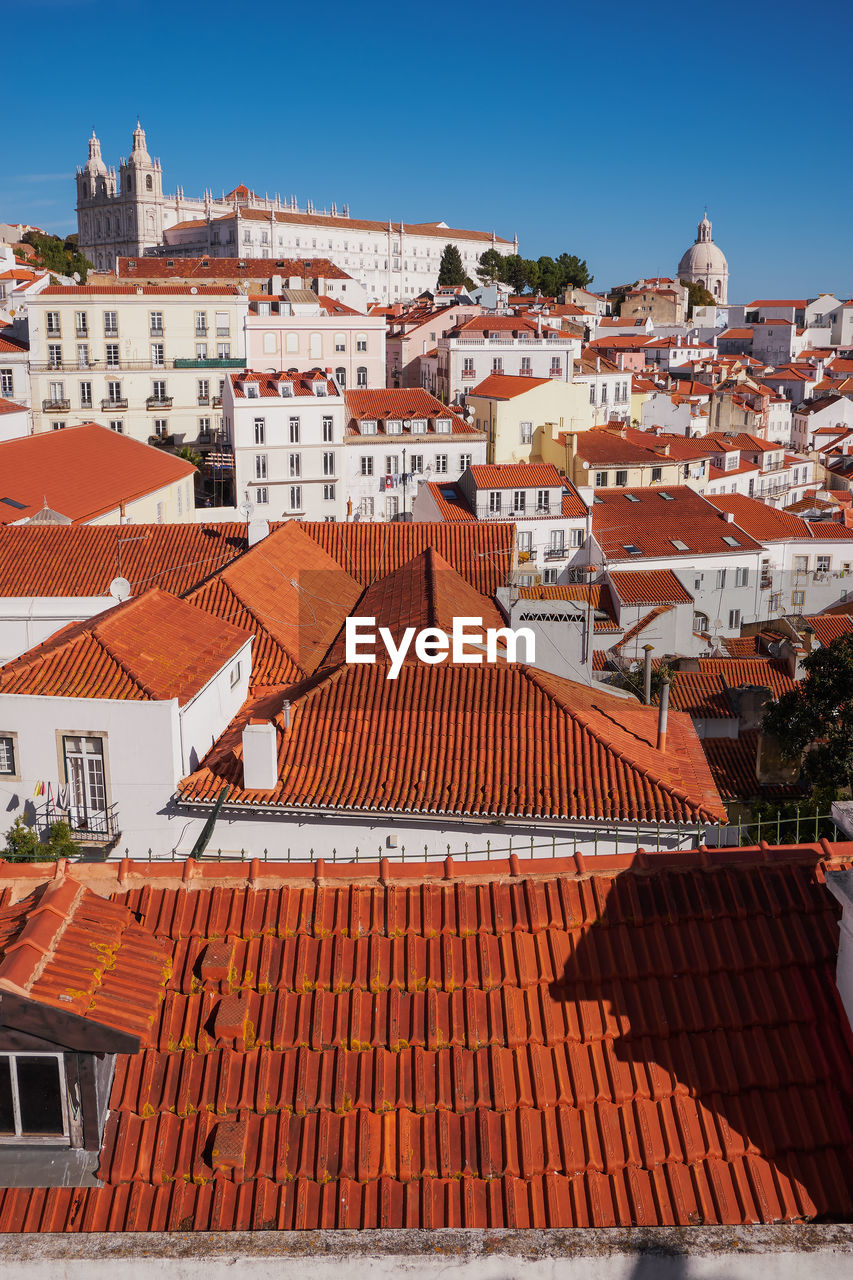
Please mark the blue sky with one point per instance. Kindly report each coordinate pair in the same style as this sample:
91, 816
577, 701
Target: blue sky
599, 129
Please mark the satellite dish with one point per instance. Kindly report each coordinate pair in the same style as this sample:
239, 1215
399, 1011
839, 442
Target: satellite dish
246, 508
120, 589
193, 289
718, 624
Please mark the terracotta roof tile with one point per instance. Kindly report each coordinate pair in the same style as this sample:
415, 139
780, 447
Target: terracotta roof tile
828, 627
153, 647
657, 586
508, 1046
302, 383
733, 764
506, 386
702, 693
517, 475
131, 290
227, 268
344, 749
82, 472
82, 560
653, 522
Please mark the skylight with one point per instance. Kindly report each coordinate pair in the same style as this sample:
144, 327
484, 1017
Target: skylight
679, 545
632, 497
11, 502
631, 549
667, 497
731, 542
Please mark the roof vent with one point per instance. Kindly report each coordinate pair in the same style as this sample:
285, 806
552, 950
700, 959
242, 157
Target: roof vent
260, 756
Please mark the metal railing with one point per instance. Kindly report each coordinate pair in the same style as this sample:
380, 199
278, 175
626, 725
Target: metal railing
120, 403
99, 828
50, 405
624, 839
159, 402
176, 362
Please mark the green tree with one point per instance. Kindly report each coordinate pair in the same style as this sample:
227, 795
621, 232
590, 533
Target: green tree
23, 843
515, 273
814, 721
549, 276
451, 270
697, 296
61, 256
573, 271
189, 454
490, 266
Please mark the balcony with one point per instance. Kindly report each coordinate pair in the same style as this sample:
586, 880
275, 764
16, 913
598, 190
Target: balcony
52, 406
100, 828
204, 399
556, 553
44, 366
81, 333
214, 362
201, 333
156, 333
223, 331
159, 402
118, 402
472, 373
216, 402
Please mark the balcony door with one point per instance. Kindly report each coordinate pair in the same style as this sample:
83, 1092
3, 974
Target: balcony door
84, 773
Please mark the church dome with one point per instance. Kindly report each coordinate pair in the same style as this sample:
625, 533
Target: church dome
139, 155
705, 263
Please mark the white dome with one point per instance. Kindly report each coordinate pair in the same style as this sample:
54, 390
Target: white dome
139, 154
703, 258
95, 166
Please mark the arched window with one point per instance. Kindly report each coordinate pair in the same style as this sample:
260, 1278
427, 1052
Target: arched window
700, 622
718, 288
85, 191
361, 376
269, 343
341, 378
292, 343
149, 182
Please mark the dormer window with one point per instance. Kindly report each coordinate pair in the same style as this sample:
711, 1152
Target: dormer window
368, 427
442, 424
320, 389
393, 427
418, 425
285, 388
251, 390
33, 1098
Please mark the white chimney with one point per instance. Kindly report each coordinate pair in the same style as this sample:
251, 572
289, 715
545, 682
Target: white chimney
260, 756
258, 530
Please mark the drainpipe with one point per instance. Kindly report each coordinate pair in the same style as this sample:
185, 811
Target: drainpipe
647, 674
663, 715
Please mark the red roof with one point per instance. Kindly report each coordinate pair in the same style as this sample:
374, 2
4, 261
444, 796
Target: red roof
656, 586
828, 627
81, 472
65, 947
517, 475
702, 693
131, 290
655, 520
11, 406
82, 560
362, 743
153, 647
733, 763
13, 346
508, 1044
607, 448
381, 403
302, 382
506, 386
773, 524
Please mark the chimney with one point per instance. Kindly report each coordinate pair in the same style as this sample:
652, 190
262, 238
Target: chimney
663, 715
285, 713
258, 530
260, 756
730, 517
648, 649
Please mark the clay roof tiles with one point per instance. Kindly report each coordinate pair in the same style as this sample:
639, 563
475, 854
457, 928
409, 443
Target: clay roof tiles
651, 587
81, 472
152, 647
463, 741
654, 520
506, 386
500, 1045
702, 693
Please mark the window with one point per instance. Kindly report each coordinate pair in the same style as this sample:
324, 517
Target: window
294, 465
296, 497
801, 564
543, 500
417, 464
111, 352
117, 425
114, 392
557, 367
158, 389
730, 541
361, 376
204, 427
161, 427
82, 354
367, 427
341, 378
741, 577
56, 392
700, 622
223, 327
52, 324
7, 756
158, 355
441, 464
392, 464
262, 496
328, 464
223, 350
340, 342
464, 462
657, 472
822, 564
111, 324
367, 466
497, 364
251, 391
328, 430
526, 365
393, 427
526, 432
798, 597
576, 537
468, 366
203, 390
361, 342
200, 324
84, 774
621, 479
392, 508
234, 674
294, 431
81, 324
5, 382
734, 619
32, 1096
549, 576
519, 500
601, 479
525, 541
260, 431
54, 355
557, 540
201, 351
156, 324
328, 493
260, 466
721, 580
57, 426
592, 393
366, 508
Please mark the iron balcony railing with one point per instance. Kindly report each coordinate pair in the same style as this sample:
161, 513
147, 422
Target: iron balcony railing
98, 828
119, 403
178, 362
159, 402
52, 405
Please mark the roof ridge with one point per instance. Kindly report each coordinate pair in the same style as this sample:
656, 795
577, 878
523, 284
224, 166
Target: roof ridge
18, 971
